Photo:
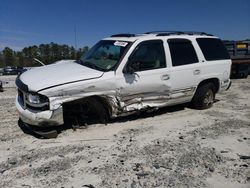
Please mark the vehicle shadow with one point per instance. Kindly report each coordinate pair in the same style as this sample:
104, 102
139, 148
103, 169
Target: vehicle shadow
53, 132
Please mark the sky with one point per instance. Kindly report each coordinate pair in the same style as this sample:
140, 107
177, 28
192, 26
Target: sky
32, 22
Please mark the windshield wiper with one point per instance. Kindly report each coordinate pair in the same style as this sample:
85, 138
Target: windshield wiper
91, 65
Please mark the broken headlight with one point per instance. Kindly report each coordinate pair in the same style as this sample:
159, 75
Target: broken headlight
33, 98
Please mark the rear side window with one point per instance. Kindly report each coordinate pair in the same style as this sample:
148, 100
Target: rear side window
182, 52
213, 49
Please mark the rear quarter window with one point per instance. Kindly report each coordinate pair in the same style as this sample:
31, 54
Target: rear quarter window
213, 49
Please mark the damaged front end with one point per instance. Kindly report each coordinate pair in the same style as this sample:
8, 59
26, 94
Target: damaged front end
75, 109
33, 108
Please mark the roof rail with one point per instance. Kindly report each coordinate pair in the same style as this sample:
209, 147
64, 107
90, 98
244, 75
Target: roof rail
158, 32
167, 33
123, 35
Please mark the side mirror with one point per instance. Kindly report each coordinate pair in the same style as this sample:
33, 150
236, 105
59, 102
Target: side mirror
131, 67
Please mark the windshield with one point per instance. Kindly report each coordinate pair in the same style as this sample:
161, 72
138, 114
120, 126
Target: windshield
105, 55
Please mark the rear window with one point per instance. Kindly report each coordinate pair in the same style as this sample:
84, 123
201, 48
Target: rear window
213, 49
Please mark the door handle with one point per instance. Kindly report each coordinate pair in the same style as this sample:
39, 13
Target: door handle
165, 77
197, 71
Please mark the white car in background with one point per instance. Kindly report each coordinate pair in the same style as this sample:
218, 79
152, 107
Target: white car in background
124, 74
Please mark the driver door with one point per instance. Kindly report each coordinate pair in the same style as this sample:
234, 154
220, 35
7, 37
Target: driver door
145, 79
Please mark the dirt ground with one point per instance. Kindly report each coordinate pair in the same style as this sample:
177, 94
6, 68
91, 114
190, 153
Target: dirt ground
173, 147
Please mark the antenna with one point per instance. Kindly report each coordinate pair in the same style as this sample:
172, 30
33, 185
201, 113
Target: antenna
75, 39
37, 60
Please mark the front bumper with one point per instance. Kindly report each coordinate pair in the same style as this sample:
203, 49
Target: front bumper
42, 118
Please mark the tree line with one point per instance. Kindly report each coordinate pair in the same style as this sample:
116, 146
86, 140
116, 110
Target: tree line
47, 53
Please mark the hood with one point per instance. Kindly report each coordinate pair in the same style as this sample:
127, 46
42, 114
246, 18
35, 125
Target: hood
61, 72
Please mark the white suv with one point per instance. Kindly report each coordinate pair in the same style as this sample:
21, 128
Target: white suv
123, 74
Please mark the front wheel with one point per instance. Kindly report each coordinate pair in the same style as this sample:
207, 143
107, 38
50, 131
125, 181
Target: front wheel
204, 96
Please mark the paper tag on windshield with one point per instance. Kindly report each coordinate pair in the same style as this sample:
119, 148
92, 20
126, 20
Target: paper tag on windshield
119, 43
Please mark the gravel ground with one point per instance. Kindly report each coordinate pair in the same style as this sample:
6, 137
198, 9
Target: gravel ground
173, 147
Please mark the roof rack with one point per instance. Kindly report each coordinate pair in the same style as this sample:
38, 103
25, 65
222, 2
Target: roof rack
123, 35
167, 33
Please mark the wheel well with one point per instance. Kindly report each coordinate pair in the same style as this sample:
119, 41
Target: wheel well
214, 81
104, 102
73, 111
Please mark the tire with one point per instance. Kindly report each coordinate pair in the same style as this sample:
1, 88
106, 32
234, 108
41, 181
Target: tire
204, 96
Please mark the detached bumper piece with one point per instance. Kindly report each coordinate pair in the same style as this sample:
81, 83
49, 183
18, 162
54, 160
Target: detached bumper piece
225, 85
40, 132
1, 86
229, 85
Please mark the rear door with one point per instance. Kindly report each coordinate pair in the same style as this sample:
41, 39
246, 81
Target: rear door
185, 71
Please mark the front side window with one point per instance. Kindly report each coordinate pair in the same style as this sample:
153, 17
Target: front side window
182, 52
148, 55
105, 55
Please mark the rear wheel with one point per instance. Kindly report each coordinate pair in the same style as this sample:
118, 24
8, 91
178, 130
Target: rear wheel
204, 96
